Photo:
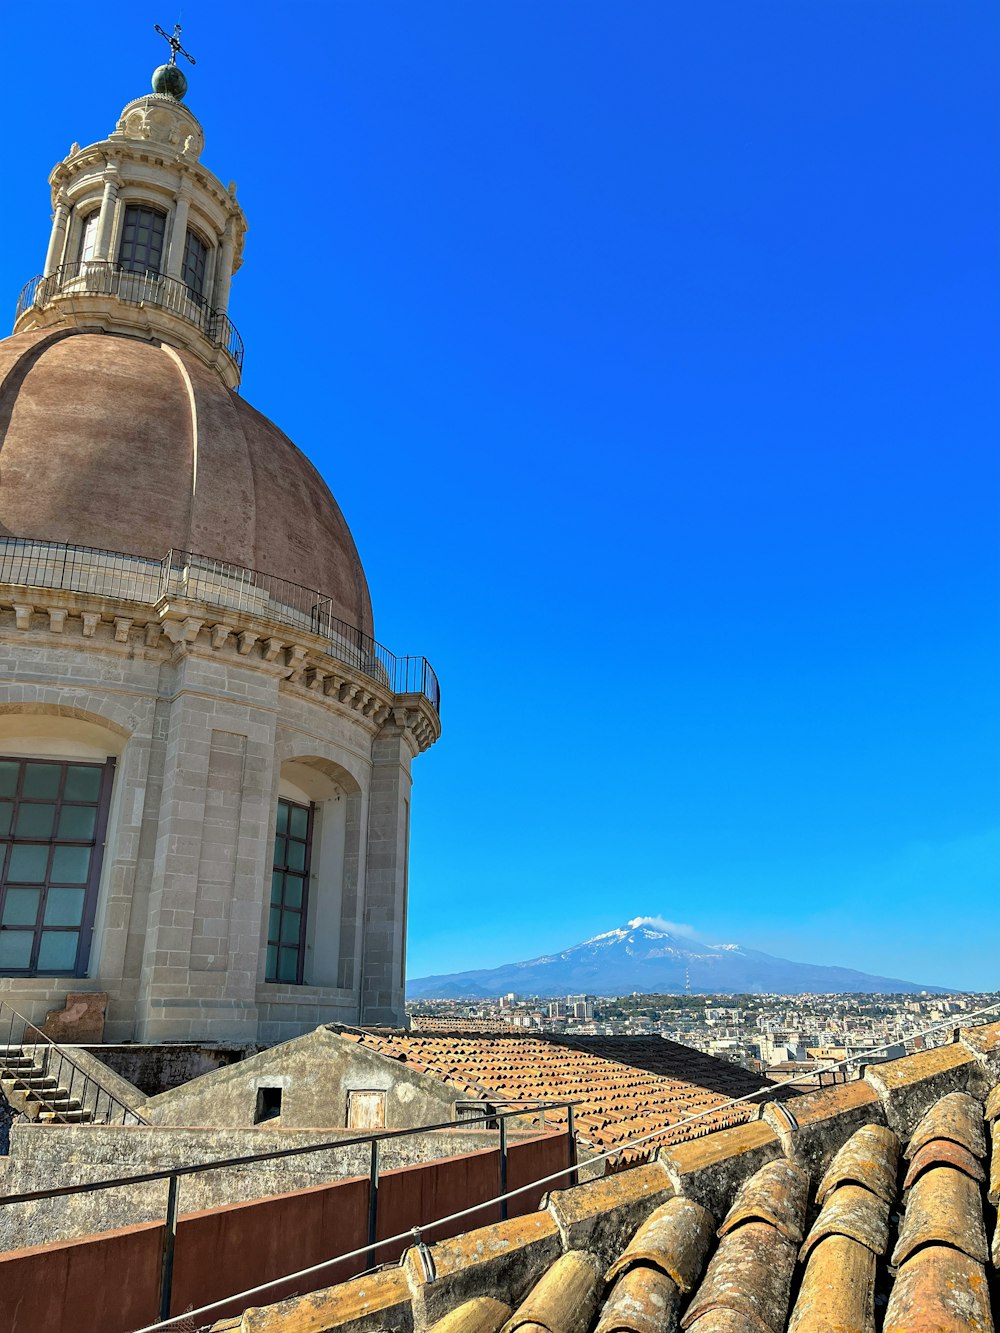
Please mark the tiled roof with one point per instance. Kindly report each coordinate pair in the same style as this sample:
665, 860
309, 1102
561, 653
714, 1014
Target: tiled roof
626, 1087
854, 1207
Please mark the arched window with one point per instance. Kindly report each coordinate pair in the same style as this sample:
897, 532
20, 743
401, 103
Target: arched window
141, 248
88, 236
53, 819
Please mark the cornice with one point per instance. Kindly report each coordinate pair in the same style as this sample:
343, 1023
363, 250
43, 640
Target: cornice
175, 628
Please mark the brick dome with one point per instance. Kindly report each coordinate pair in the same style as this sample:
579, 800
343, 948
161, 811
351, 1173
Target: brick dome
115, 442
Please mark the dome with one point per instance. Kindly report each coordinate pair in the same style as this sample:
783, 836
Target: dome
111, 441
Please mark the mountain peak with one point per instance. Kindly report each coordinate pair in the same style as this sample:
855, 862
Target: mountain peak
654, 956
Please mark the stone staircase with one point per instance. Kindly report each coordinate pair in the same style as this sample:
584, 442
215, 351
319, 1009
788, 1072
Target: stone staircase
29, 1088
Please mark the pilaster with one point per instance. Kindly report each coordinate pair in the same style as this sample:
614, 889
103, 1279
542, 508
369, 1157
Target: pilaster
383, 967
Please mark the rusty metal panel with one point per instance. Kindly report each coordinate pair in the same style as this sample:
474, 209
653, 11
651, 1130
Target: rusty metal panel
868, 1158
750, 1274
674, 1239
939, 1290
779, 1194
958, 1116
838, 1290
482, 1315
943, 1152
564, 1299
644, 1300
943, 1207
854, 1212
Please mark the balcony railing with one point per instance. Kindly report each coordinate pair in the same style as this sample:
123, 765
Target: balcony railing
94, 277
134, 578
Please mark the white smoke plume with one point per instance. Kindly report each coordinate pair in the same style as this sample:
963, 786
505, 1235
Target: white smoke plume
669, 927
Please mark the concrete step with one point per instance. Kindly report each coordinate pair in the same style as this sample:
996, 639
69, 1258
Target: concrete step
79, 1116
35, 1083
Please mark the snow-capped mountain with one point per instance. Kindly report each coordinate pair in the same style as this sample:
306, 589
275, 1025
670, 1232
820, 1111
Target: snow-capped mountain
645, 956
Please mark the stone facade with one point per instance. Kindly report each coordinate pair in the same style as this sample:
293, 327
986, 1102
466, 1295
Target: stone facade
205, 734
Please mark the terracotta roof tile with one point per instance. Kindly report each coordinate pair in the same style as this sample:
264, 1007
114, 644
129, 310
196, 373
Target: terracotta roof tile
564, 1300
940, 1290
854, 1212
869, 1158
957, 1117
942, 1152
674, 1239
838, 1289
644, 1300
482, 1315
749, 1274
943, 1207
779, 1194
627, 1088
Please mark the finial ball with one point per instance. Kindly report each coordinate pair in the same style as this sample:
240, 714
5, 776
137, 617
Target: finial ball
169, 79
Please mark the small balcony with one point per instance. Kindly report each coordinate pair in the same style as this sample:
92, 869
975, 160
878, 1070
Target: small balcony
168, 308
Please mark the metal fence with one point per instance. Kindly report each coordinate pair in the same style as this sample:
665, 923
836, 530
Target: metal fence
374, 1141
88, 569
96, 277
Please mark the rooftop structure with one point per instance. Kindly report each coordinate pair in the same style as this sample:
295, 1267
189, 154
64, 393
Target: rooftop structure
624, 1087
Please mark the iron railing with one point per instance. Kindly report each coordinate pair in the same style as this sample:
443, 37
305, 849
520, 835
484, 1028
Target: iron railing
374, 1141
58, 1072
89, 569
98, 277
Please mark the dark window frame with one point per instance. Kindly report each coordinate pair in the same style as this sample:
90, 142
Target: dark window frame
137, 215
194, 273
91, 886
274, 940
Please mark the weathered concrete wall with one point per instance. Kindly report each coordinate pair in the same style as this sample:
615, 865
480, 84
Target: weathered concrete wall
78, 1154
315, 1073
110, 1282
156, 1069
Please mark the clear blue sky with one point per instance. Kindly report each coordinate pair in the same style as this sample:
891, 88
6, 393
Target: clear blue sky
651, 351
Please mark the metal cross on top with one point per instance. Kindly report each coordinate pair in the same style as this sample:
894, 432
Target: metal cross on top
174, 39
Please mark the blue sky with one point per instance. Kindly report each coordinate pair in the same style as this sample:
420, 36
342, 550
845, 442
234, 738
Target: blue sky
651, 351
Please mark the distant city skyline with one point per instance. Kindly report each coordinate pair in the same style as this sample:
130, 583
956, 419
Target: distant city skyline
655, 374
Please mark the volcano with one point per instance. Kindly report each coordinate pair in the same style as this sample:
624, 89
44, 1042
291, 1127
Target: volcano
642, 956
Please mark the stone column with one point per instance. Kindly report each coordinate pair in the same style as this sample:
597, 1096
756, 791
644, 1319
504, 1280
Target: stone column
57, 239
178, 233
106, 221
224, 270
384, 936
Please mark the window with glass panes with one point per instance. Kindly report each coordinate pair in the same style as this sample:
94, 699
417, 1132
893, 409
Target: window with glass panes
141, 248
53, 818
286, 932
195, 258
88, 236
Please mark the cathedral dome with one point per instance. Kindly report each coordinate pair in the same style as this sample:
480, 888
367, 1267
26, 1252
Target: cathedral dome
129, 445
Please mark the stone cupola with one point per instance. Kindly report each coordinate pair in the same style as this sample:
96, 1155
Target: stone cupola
144, 240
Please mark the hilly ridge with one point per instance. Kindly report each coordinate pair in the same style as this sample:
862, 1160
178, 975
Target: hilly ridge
641, 956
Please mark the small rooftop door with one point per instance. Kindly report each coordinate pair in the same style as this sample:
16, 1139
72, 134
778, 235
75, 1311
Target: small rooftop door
366, 1110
